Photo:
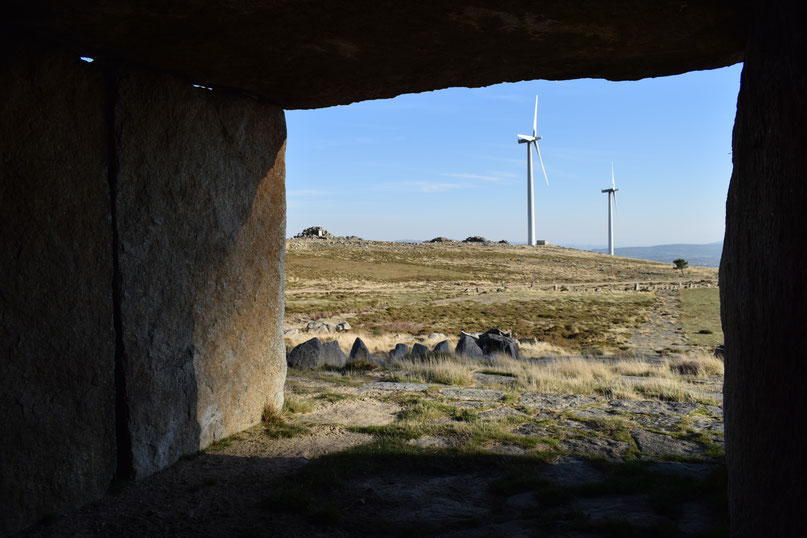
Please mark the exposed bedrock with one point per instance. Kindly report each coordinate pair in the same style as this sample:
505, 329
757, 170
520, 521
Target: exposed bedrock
329, 52
762, 286
57, 341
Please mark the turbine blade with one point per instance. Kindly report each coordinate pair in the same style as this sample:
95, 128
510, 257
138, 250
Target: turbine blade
613, 183
542, 162
535, 118
615, 206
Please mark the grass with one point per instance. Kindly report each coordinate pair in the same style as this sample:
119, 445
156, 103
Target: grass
414, 289
700, 316
663, 379
276, 426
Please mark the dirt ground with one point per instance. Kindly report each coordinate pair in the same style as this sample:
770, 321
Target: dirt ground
492, 464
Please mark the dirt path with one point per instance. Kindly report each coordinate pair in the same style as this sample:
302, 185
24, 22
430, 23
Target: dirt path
663, 331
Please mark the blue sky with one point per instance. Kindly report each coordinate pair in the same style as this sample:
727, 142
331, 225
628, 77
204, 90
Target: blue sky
446, 163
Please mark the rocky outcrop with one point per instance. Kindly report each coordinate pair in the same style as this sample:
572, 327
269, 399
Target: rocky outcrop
475, 239
314, 232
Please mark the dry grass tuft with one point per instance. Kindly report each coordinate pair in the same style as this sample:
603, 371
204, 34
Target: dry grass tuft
443, 369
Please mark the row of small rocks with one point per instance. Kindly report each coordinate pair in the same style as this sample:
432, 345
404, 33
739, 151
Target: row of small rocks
471, 239
314, 353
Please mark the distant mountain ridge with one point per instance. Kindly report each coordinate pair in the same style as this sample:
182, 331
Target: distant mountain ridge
707, 255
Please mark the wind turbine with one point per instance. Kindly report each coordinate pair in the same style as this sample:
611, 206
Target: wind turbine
532, 140
611, 191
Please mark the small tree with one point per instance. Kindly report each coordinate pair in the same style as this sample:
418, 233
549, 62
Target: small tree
681, 264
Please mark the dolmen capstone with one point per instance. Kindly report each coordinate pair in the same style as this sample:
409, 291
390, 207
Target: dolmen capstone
313, 354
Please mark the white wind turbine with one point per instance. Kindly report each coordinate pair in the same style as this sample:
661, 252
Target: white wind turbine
532, 140
611, 191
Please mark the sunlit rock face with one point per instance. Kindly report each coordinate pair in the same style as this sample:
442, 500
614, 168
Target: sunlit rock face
200, 216
316, 53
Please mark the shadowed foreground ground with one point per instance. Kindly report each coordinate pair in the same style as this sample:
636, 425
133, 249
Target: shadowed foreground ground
362, 456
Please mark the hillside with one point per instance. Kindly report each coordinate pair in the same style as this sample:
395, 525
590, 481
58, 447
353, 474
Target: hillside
569, 298
707, 255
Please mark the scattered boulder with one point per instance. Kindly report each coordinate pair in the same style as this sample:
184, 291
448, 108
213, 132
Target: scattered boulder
467, 346
443, 347
400, 351
344, 326
332, 354
720, 352
497, 341
475, 239
419, 350
318, 327
436, 336
306, 356
291, 332
359, 351
504, 242
441, 240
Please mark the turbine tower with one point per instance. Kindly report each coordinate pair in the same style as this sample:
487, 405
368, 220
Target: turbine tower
611, 191
530, 141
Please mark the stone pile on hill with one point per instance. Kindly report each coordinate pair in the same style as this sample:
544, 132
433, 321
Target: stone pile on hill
475, 239
314, 354
314, 232
441, 240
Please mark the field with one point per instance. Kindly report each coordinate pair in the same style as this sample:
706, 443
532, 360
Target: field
575, 300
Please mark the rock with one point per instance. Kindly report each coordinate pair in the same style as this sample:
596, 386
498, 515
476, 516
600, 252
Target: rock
443, 347
475, 239
657, 444
504, 242
468, 347
318, 327
359, 351
608, 449
555, 401
435, 336
313, 232
388, 385
291, 332
307, 356
341, 327
485, 395
332, 354
441, 240
496, 341
720, 352
419, 350
400, 351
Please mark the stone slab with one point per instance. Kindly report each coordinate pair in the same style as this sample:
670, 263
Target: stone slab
201, 220
554, 401
653, 407
484, 395
657, 444
57, 338
390, 385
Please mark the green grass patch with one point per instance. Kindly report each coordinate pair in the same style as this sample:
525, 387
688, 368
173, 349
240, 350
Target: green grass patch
700, 316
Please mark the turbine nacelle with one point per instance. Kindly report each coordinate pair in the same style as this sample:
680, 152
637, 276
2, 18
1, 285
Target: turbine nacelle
609, 190
526, 139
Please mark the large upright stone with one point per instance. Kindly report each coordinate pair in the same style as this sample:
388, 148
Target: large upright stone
306, 356
468, 347
762, 287
201, 223
57, 340
332, 354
